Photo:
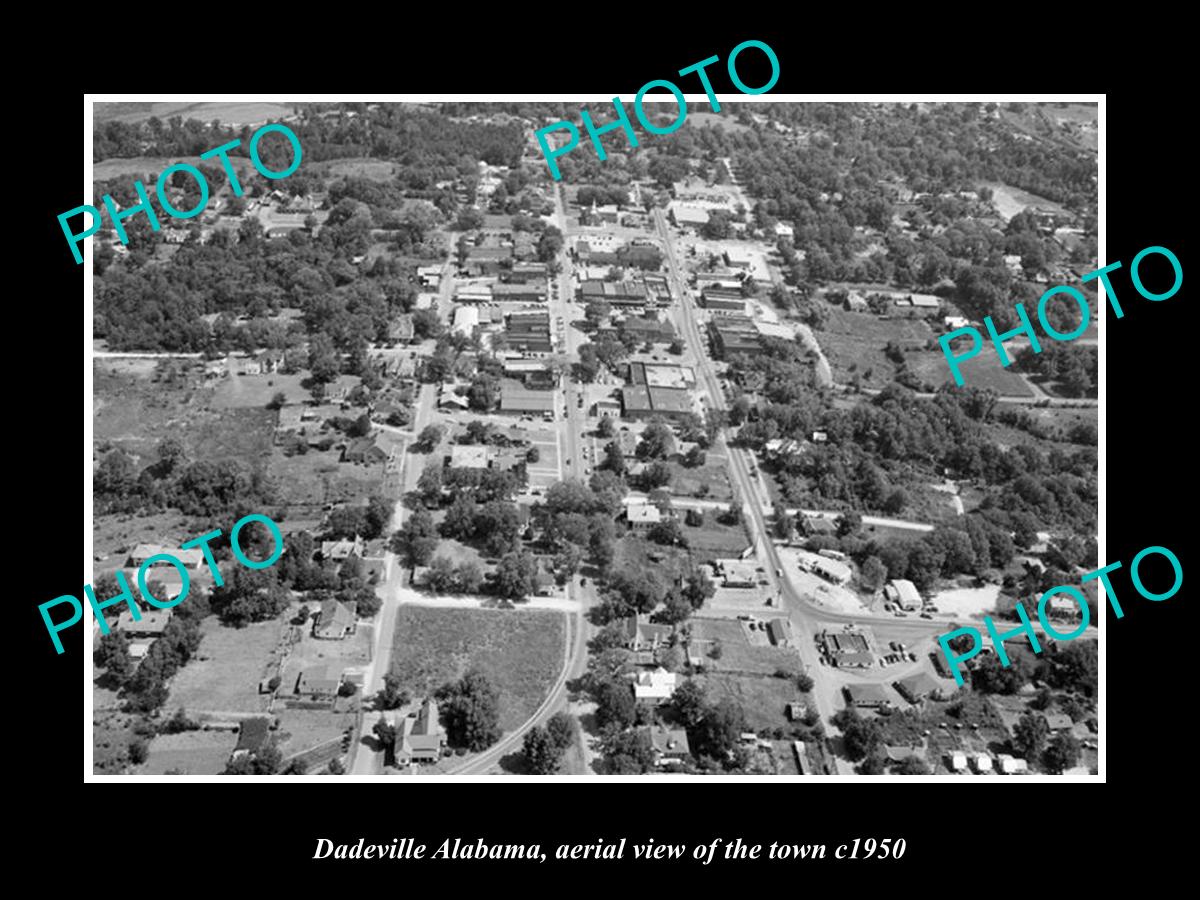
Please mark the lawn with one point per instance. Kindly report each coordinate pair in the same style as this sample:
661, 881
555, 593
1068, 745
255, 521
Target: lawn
763, 700
983, 371
317, 478
303, 729
713, 540
373, 169
190, 752
224, 676
256, 391
521, 652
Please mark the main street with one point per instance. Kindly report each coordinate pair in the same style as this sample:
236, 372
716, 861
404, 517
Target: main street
571, 422
807, 618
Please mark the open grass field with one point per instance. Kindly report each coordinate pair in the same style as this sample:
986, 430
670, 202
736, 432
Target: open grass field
374, 169
709, 481
700, 119
225, 112
713, 540
984, 371
317, 478
190, 752
869, 327
224, 675
136, 412
763, 699
303, 729
148, 168
256, 391
521, 651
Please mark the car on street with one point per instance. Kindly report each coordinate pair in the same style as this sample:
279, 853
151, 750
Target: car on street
926, 615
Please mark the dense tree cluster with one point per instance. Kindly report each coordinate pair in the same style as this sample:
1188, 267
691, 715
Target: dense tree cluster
470, 711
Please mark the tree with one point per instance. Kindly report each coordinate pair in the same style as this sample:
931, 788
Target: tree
695, 457
690, 704
657, 441
335, 767
627, 752
1061, 755
393, 696
614, 459
913, 765
139, 751
720, 730
379, 515
848, 523
277, 400
470, 709
385, 733
860, 737
561, 728
1030, 734
804, 682
667, 532
429, 485
416, 540
515, 575
604, 428
542, 756
112, 654
614, 703
430, 437
694, 518
347, 689
441, 577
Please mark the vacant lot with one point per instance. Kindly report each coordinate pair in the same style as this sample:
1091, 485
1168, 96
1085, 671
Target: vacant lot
224, 676
225, 112
374, 169
303, 729
255, 391
984, 371
709, 481
190, 753
148, 168
713, 540
317, 478
135, 413
521, 651
763, 699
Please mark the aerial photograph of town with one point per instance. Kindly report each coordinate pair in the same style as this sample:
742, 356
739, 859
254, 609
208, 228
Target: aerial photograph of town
656, 468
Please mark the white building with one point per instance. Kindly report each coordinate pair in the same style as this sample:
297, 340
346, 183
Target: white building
903, 593
655, 686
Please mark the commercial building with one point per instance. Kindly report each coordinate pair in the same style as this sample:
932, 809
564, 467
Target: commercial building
529, 332
668, 376
533, 291
527, 271
739, 257
722, 299
734, 334
903, 593
643, 402
466, 320
516, 398
687, 215
474, 294
615, 293
654, 331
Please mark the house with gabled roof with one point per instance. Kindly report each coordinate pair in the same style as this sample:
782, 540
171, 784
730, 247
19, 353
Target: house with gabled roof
336, 620
419, 738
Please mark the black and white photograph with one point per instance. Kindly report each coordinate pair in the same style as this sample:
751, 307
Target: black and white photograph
670, 439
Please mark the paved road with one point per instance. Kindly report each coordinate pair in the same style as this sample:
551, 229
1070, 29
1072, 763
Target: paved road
806, 617
571, 429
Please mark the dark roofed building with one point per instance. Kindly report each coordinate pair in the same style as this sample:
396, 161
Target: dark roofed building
639, 402
318, 682
916, 688
364, 450
780, 632
516, 398
651, 330
867, 696
528, 332
734, 334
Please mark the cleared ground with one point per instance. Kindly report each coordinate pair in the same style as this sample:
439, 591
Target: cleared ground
227, 113
521, 652
190, 753
224, 675
763, 699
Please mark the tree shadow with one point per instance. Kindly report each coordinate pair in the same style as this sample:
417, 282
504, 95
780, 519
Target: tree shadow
514, 764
